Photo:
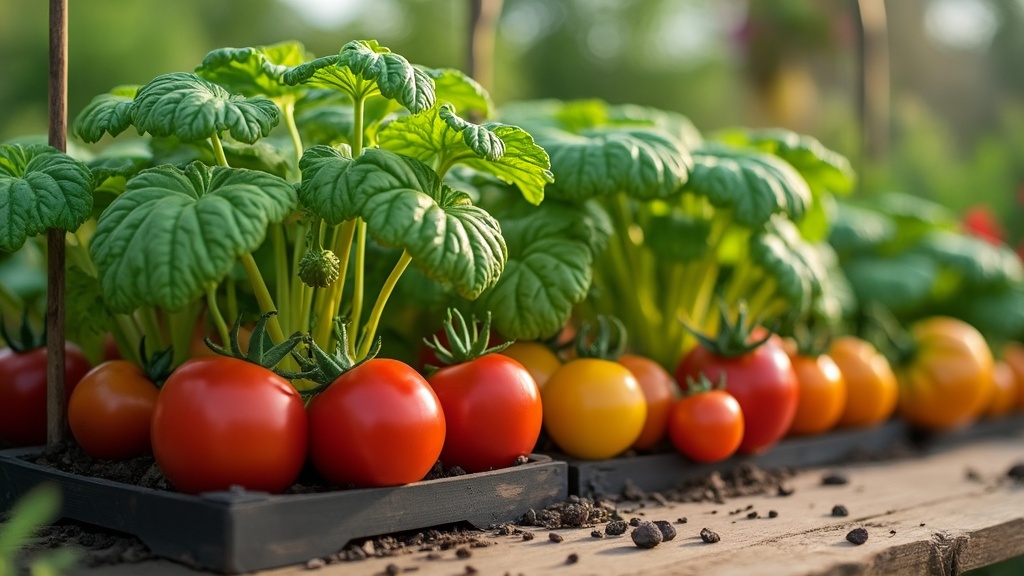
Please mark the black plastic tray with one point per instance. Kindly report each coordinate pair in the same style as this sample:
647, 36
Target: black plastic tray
241, 531
653, 472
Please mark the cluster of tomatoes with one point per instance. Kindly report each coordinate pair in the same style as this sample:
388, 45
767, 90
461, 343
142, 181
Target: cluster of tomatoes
218, 421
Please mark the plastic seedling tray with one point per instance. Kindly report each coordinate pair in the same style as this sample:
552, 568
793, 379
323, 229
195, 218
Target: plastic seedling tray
242, 531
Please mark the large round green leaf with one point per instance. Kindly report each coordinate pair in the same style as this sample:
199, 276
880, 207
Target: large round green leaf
191, 108
175, 233
40, 188
107, 113
254, 71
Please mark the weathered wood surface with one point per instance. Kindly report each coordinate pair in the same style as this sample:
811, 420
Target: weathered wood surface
943, 514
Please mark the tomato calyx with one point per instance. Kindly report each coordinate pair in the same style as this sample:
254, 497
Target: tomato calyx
29, 339
468, 341
702, 384
735, 337
262, 350
607, 342
156, 367
323, 368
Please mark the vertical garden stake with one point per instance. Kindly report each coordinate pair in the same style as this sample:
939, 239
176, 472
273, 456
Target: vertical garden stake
56, 418
483, 29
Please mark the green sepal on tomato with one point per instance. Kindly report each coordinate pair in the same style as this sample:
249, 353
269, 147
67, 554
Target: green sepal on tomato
706, 424
23, 385
757, 372
594, 407
492, 405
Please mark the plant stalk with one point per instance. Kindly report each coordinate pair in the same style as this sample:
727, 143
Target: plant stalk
378, 307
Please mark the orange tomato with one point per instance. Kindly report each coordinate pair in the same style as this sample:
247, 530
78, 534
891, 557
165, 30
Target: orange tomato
1004, 391
659, 390
1013, 355
871, 388
948, 379
822, 397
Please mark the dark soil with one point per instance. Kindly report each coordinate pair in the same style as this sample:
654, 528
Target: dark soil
709, 536
840, 510
646, 535
857, 536
575, 513
745, 480
95, 547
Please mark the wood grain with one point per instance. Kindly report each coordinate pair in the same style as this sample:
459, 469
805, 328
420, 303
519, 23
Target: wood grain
924, 515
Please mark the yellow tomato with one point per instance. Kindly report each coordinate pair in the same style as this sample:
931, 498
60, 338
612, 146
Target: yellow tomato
593, 408
948, 379
538, 359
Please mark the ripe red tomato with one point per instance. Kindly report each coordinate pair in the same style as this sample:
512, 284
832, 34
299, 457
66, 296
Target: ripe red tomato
706, 426
762, 381
379, 424
221, 422
23, 392
659, 390
492, 409
111, 410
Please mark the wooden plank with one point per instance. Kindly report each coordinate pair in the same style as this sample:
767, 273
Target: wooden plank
942, 513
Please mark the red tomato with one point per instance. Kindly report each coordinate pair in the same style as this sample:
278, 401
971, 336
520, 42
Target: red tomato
707, 426
23, 392
379, 424
111, 410
492, 409
221, 422
659, 391
762, 381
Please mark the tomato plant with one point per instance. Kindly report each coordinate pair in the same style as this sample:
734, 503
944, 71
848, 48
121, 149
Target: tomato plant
706, 425
757, 373
23, 388
870, 382
492, 408
946, 378
538, 359
659, 391
377, 424
822, 395
221, 422
594, 407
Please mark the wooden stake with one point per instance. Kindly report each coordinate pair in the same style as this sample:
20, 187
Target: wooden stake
483, 24
56, 401
873, 96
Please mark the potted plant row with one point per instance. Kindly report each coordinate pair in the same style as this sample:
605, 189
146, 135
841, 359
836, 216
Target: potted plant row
208, 220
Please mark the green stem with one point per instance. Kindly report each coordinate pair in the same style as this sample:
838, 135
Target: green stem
263, 297
761, 298
288, 108
378, 306
358, 105
79, 255
327, 304
281, 280
218, 320
218, 150
9, 301
183, 325
130, 331
297, 285
231, 294
151, 326
358, 288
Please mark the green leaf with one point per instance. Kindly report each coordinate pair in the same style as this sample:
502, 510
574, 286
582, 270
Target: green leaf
977, 264
40, 188
822, 168
857, 230
673, 123
107, 113
777, 250
998, 315
548, 270
753, 185
644, 163
439, 137
406, 206
677, 237
37, 508
175, 233
327, 124
364, 68
191, 108
124, 158
462, 92
255, 71
87, 314
321, 191
902, 283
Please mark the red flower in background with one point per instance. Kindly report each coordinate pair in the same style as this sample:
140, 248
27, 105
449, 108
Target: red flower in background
979, 221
